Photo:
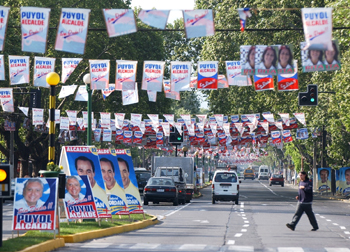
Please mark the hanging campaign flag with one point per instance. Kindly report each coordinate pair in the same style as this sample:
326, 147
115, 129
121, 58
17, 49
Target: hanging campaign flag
222, 81
300, 117
207, 75
82, 94
266, 60
244, 14
2, 64
78, 160
67, 91
233, 71
99, 74
105, 120
119, 119
19, 69
78, 200
107, 91
180, 76
127, 137
130, 186
64, 123
6, 98
24, 110
4, 17
332, 58
39, 212
137, 137
288, 82
263, 82
38, 116
154, 18
85, 120
285, 59
168, 93
159, 138
125, 77
106, 135
287, 136
285, 118
276, 136
318, 27
152, 77
130, 96
152, 95
119, 21
42, 67
68, 66
72, 115
247, 59
34, 27
72, 30
198, 23
302, 134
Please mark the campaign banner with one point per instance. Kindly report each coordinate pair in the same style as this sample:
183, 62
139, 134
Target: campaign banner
243, 14
84, 160
42, 67
159, 138
97, 135
107, 91
263, 82
68, 66
82, 94
105, 120
247, 59
112, 178
64, 123
276, 136
343, 181
131, 189
152, 78
287, 137
72, 30
222, 81
99, 72
125, 77
302, 134
19, 69
38, 116
67, 91
137, 137
130, 96
34, 27
35, 211
119, 135
119, 21
2, 67
324, 179
6, 98
222, 138
4, 17
266, 60
78, 199
234, 77
207, 75
180, 76
318, 27
154, 18
288, 82
127, 137
285, 60
152, 95
198, 23
168, 93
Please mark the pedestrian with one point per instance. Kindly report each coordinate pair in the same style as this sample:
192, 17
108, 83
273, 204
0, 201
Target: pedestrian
304, 203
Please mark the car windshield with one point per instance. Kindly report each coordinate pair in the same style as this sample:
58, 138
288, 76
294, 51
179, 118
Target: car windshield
249, 171
225, 177
143, 175
160, 181
277, 176
169, 172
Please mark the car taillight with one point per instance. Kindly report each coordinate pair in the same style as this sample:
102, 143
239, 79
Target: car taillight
147, 189
237, 187
173, 190
212, 186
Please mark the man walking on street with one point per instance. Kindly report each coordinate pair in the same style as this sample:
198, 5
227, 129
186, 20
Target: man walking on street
304, 203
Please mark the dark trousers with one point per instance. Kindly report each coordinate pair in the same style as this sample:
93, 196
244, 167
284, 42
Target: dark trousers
307, 208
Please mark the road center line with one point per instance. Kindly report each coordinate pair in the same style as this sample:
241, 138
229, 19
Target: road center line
171, 213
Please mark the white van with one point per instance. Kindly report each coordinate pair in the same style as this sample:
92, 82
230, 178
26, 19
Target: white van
264, 172
225, 186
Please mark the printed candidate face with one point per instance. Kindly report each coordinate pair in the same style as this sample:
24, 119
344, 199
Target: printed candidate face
330, 55
268, 58
108, 174
33, 192
85, 168
73, 187
124, 174
324, 176
314, 54
347, 176
252, 58
284, 57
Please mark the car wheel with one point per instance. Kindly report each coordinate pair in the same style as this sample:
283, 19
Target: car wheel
183, 201
176, 202
188, 201
236, 201
270, 184
145, 201
212, 200
282, 185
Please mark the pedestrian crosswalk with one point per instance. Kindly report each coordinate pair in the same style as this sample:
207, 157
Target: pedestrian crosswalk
92, 246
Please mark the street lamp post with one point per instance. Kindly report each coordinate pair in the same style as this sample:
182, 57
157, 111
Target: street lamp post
87, 81
52, 79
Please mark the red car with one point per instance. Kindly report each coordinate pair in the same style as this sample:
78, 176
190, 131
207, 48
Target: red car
276, 179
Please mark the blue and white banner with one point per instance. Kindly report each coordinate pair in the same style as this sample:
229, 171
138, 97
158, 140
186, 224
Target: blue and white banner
107, 91
152, 78
19, 69
180, 76
2, 67
6, 98
99, 74
207, 75
42, 67
68, 66
243, 13
154, 18
4, 17
198, 23
125, 76
119, 21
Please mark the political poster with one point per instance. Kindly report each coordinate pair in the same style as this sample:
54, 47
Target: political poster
128, 176
324, 179
42, 67
72, 30
234, 76
263, 82
130, 96
266, 60
68, 66
35, 204
108, 91
343, 180
4, 17
18, 69
152, 78
113, 181
78, 200
125, 77
302, 134
84, 160
119, 21
288, 82
285, 60
168, 93
207, 75
154, 18
287, 137
276, 136
99, 74
2, 67
34, 27
198, 23
180, 76
247, 59
6, 98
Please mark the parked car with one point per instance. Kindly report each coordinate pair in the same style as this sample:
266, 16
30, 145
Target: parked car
142, 176
160, 189
225, 186
276, 179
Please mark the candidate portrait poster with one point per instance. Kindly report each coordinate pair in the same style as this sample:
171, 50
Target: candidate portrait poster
128, 176
343, 181
78, 199
113, 181
84, 160
324, 179
34, 206
266, 60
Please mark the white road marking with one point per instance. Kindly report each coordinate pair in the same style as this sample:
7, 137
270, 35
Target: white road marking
244, 218
241, 248
160, 217
230, 242
322, 217
246, 225
337, 249
328, 220
205, 221
335, 224
346, 232
243, 230
243, 214
238, 235
171, 213
295, 249
144, 246
96, 245
193, 246
242, 210
196, 220
246, 221
202, 210
341, 227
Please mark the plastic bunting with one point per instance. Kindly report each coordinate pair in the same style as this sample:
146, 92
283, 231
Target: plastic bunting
154, 18
244, 14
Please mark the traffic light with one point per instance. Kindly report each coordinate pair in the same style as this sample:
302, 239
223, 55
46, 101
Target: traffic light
5, 181
175, 136
310, 98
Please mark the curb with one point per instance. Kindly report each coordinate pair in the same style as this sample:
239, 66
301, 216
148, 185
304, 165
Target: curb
60, 242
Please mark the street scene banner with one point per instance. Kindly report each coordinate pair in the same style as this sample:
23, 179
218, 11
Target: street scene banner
113, 181
154, 18
6, 98
247, 59
34, 206
152, 78
128, 176
343, 181
72, 30
99, 74
34, 26
324, 179
285, 63
125, 77
78, 199
68, 66
2, 68
266, 60
207, 75
180, 76
42, 67
19, 69
119, 21
4, 17
234, 76
288, 82
263, 82
198, 23
84, 160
